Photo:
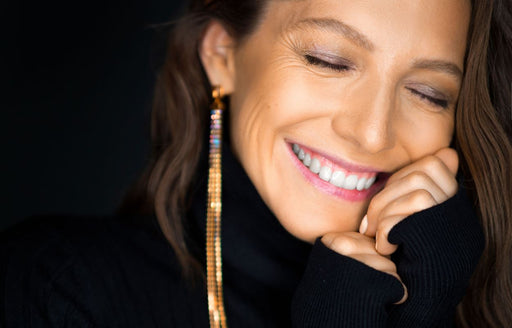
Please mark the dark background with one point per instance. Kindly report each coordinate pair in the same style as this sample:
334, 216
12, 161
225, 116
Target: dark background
77, 80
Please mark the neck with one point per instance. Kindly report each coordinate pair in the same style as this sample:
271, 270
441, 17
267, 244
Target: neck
261, 260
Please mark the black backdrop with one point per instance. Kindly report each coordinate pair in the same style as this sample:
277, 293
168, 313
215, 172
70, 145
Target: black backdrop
77, 84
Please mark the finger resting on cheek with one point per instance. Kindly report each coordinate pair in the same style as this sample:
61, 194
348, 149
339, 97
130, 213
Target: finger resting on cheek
450, 158
415, 181
419, 200
408, 204
420, 180
442, 176
397, 210
432, 165
392, 195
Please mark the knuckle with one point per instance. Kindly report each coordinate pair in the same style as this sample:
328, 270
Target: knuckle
344, 245
417, 178
452, 188
433, 163
387, 213
390, 221
422, 197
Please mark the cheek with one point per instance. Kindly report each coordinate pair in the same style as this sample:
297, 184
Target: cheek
268, 105
421, 137
262, 120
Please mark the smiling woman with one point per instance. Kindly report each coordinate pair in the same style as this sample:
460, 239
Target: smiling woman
366, 100
358, 175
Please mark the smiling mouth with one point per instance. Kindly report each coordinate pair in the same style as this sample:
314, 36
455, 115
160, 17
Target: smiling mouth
334, 177
333, 173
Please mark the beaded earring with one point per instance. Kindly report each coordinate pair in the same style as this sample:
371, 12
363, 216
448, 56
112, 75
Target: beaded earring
213, 215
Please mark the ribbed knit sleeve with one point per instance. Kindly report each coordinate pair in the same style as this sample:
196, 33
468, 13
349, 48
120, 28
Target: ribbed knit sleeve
439, 249
338, 291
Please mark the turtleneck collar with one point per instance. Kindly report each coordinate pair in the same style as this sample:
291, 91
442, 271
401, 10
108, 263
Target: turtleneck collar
262, 262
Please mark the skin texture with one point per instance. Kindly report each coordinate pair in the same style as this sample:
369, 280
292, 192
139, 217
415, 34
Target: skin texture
371, 110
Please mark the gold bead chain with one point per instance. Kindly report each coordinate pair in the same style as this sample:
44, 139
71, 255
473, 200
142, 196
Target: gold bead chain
213, 216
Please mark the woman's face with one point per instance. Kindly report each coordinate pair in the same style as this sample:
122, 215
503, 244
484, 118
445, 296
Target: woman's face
332, 96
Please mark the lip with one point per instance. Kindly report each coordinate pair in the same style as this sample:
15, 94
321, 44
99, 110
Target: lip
325, 187
352, 167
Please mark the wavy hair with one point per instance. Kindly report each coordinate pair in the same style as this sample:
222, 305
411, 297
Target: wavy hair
483, 133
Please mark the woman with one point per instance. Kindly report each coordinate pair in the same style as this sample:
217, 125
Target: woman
360, 137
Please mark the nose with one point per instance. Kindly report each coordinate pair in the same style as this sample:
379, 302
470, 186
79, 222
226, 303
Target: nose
366, 118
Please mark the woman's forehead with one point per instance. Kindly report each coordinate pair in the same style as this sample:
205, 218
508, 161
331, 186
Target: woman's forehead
401, 13
437, 25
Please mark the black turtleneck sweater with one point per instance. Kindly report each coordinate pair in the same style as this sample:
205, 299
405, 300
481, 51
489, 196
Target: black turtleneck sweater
121, 272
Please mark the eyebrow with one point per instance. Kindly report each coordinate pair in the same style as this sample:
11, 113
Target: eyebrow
440, 66
351, 33
339, 27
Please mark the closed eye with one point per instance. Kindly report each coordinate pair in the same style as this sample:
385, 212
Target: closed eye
312, 60
432, 100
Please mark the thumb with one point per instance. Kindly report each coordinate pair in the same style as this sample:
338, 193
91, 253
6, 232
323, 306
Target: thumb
450, 158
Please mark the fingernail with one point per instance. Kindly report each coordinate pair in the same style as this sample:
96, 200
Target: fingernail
364, 225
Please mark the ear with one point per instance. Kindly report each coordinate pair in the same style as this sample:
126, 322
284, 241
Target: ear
217, 55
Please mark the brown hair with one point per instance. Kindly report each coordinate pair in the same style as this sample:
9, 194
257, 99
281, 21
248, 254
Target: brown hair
482, 138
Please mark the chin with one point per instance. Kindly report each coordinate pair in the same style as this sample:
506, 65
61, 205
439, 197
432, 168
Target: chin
308, 218
307, 205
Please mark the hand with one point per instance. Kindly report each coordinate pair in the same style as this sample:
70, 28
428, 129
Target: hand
341, 291
362, 248
416, 187
434, 235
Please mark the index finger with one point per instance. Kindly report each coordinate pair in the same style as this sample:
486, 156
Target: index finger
445, 163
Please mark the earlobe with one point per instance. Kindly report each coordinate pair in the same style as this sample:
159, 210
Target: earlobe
217, 56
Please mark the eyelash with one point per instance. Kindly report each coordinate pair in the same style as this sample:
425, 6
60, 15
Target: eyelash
434, 101
312, 60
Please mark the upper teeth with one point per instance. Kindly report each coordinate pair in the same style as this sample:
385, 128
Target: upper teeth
339, 179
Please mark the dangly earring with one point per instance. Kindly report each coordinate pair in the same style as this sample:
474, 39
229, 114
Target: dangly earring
213, 215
